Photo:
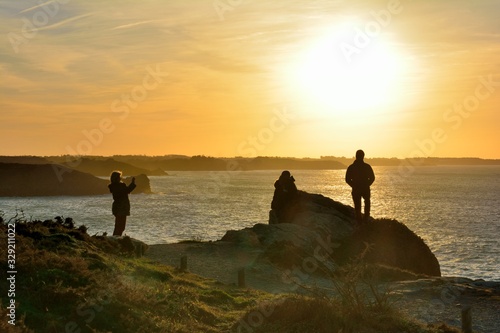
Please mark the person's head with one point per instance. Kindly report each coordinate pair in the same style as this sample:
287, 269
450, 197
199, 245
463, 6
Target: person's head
360, 155
116, 177
286, 175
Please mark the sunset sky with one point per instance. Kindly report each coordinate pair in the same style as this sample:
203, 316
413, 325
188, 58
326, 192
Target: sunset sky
250, 77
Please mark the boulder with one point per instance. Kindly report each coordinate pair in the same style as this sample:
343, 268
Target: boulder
390, 243
323, 233
142, 182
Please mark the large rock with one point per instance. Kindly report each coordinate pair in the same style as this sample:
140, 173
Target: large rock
323, 233
55, 180
142, 182
393, 244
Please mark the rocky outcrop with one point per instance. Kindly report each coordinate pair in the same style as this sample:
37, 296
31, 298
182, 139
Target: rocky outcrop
321, 232
54, 180
142, 182
390, 243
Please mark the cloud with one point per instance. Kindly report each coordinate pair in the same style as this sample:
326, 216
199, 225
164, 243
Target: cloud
131, 25
92, 52
64, 22
38, 6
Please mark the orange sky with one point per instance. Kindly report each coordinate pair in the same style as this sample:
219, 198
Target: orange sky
247, 78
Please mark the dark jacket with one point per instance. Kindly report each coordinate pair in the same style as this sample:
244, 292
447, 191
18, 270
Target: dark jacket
285, 191
359, 175
121, 203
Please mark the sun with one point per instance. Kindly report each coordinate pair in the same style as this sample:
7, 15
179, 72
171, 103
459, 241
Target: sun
337, 74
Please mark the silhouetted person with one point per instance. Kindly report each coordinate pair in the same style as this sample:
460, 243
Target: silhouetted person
360, 176
121, 203
285, 192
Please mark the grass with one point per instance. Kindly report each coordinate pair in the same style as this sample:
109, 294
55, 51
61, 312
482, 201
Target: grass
68, 281
297, 314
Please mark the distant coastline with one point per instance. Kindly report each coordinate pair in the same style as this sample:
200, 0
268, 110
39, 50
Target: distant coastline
159, 165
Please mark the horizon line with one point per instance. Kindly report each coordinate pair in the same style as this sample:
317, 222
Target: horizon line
251, 157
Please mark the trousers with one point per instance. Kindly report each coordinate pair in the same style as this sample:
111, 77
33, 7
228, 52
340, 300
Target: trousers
120, 221
357, 194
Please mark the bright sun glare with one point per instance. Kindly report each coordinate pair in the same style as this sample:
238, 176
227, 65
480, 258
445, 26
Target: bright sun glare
336, 74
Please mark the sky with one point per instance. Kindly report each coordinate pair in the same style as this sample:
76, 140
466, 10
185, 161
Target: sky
250, 78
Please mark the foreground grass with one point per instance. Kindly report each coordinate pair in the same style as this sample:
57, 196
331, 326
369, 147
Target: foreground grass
68, 281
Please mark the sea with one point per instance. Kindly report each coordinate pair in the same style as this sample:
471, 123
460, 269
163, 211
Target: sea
455, 209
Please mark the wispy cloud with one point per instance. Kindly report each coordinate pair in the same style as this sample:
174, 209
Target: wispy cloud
37, 6
131, 25
64, 22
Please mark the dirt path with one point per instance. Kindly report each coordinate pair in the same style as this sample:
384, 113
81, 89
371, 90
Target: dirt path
220, 261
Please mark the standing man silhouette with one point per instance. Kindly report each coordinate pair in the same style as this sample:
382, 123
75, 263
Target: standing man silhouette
360, 176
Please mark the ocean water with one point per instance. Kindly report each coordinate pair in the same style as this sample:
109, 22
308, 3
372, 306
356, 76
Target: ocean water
455, 209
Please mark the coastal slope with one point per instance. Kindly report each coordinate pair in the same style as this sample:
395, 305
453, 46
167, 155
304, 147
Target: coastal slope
21, 180
70, 281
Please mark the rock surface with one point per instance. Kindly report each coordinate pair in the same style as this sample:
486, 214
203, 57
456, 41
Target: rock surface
142, 182
439, 300
54, 180
321, 232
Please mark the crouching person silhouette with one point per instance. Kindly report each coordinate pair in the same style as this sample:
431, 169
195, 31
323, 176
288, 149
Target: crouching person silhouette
121, 203
285, 192
360, 177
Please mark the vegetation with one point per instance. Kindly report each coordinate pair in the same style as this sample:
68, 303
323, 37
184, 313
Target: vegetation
68, 281
297, 314
362, 304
